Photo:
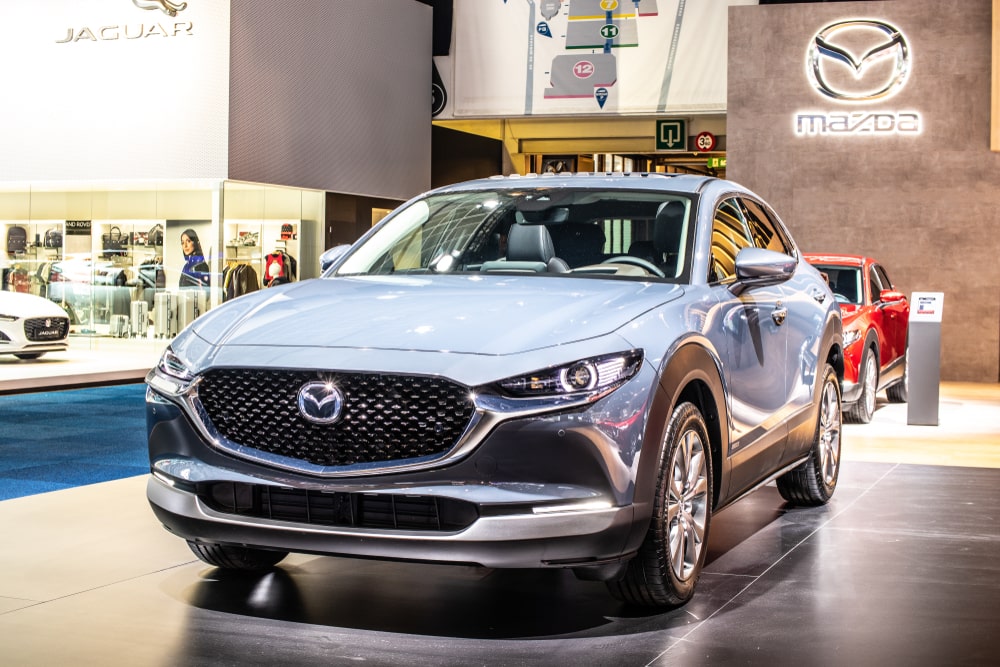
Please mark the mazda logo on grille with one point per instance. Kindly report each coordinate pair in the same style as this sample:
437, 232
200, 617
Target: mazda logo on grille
858, 60
320, 402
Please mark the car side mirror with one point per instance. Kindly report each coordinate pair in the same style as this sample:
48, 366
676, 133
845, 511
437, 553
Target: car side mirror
330, 257
888, 296
756, 267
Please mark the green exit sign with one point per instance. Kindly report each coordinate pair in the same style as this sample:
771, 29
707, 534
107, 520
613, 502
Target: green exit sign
672, 135
716, 163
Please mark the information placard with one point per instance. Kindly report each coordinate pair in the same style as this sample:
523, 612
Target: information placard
923, 358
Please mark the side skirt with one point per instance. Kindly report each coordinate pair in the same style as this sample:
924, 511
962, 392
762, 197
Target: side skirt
764, 482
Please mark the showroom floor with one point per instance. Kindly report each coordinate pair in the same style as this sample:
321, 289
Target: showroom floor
88, 360
902, 567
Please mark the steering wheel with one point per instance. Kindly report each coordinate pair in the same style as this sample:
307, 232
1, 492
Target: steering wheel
840, 298
644, 264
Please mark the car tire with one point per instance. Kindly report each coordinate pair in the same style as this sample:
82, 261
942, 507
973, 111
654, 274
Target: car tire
243, 559
900, 392
814, 481
862, 410
28, 355
665, 570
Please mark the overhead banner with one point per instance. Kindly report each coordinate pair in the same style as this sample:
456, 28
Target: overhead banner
536, 57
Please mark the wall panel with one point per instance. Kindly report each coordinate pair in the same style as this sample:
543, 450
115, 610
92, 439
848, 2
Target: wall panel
924, 204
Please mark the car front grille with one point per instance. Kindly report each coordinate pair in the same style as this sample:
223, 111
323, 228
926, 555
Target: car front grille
353, 510
385, 419
42, 329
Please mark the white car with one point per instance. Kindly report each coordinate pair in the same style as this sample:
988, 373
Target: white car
30, 326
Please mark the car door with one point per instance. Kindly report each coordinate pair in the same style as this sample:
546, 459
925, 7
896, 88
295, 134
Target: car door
806, 302
891, 317
753, 344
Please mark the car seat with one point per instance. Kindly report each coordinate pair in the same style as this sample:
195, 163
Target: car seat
664, 249
579, 244
529, 250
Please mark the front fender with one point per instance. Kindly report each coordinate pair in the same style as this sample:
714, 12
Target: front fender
691, 373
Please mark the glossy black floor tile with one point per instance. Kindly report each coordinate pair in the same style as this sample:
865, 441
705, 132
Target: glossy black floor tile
901, 568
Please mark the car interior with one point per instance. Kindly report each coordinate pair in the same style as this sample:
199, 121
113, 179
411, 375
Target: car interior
587, 240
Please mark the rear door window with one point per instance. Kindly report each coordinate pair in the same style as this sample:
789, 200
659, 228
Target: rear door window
763, 230
729, 236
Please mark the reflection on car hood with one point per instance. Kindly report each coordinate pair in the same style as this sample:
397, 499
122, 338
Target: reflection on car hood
850, 312
28, 305
467, 314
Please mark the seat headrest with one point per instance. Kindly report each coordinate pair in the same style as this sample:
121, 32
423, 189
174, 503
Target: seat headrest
645, 250
579, 243
668, 226
529, 243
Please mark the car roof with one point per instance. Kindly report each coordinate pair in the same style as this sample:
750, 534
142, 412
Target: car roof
845, 260
653, 181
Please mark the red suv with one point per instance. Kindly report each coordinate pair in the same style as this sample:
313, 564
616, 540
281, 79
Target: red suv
875, 317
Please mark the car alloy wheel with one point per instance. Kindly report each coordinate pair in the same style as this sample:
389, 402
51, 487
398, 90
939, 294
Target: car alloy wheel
899, 392
861, 412
813, 481
828, 440
665, 570
870, 377
687, 507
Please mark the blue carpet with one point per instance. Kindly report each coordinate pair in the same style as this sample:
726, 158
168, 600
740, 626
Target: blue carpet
61, 439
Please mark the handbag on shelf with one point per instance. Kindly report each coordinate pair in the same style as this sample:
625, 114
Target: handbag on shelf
113, 243
53, 239
245, 240
17, 239
155, 235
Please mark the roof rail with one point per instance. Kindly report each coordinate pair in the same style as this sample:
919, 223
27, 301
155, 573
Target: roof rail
626, 174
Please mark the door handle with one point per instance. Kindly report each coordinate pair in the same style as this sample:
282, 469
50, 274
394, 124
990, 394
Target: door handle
779, 314
819, 295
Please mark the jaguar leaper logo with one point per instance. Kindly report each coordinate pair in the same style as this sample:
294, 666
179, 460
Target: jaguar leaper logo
165, 6
129, 31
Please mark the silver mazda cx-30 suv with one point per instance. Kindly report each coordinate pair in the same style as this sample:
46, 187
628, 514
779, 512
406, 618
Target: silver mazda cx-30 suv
568, 371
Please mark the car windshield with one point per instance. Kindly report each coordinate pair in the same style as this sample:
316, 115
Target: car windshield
612, 233
845, 282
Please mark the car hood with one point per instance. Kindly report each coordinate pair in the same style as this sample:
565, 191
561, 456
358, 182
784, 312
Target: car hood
850, 313
491, 315
28, 305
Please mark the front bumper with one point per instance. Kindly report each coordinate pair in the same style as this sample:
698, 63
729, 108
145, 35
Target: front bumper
557, 489
851, 392
34, 348
544, 530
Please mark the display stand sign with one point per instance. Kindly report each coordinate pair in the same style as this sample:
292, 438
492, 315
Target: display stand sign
923, 362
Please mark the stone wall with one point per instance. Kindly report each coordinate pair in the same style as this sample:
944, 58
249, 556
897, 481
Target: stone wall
925, 204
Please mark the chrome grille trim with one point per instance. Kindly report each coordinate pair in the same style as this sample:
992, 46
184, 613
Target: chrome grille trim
390, 421
34, 328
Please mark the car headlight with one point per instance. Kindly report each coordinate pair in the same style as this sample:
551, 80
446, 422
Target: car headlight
597, 376
171, 375
8, 318
851, 336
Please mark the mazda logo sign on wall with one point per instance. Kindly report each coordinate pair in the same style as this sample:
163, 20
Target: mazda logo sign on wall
858, 60
320, 402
